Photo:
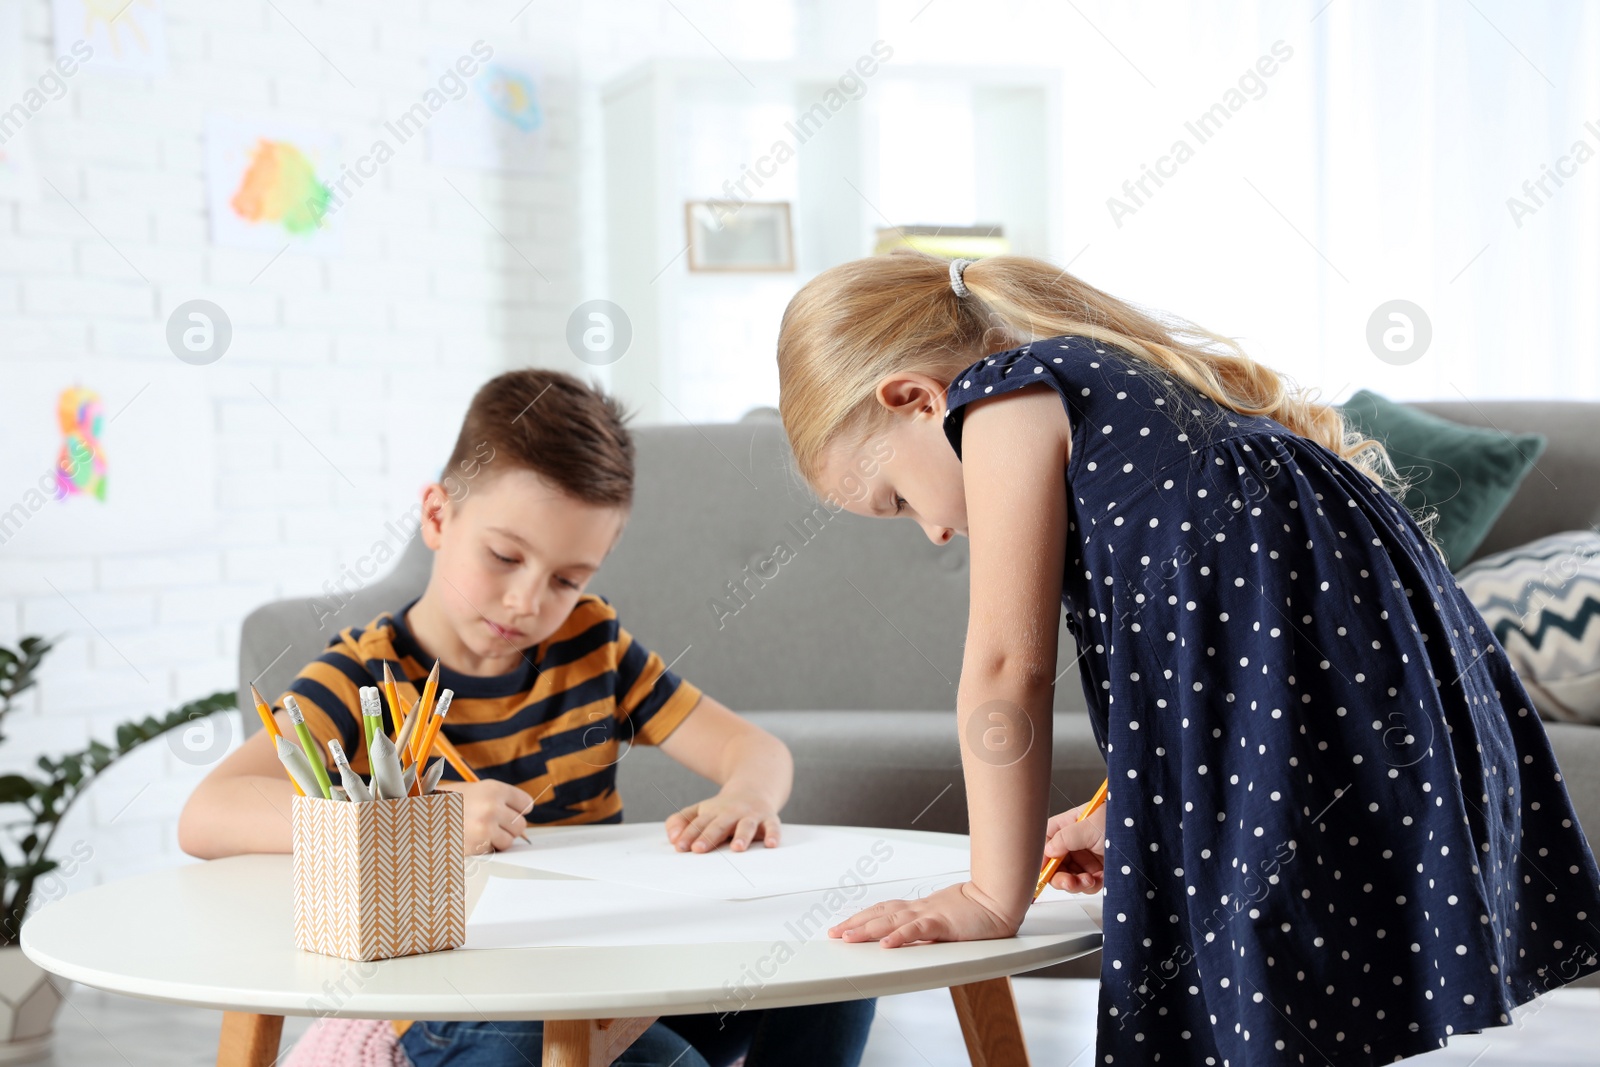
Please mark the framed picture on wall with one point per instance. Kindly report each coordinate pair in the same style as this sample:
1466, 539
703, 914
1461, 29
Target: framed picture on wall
739, 235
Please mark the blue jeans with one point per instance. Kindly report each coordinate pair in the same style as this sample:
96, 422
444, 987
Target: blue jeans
816, 1035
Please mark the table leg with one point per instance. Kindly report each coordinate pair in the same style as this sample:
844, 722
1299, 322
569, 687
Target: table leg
589, 1042
249, 1040
988, 1014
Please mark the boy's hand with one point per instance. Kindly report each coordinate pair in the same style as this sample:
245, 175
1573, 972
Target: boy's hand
743, 816
957, 913
1083, 844
493, 814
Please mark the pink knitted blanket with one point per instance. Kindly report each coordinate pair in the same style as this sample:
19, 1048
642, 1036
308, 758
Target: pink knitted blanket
348, 1043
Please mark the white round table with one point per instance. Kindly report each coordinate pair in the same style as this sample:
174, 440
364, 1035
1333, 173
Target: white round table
220, 935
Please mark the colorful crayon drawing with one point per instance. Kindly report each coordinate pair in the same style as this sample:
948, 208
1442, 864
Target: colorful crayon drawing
502, 125
280, 186
127, 36
512, 95
81, 466
269, 184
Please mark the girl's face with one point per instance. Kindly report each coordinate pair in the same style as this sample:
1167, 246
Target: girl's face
910, 471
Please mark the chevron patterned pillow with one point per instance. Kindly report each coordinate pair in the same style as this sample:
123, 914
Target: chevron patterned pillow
1542, 600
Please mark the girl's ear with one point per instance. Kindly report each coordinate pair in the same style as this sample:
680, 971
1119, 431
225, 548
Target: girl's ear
909, 392
436, 510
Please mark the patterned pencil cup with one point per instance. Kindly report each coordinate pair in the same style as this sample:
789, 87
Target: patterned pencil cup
378, 879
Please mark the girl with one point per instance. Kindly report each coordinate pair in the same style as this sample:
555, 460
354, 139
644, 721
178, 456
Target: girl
1335, 831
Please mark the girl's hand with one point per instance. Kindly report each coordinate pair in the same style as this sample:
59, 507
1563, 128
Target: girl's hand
492, 814
957, 913
734, 815
1083, 844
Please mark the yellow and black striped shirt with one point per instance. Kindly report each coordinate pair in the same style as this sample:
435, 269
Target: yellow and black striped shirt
553, 727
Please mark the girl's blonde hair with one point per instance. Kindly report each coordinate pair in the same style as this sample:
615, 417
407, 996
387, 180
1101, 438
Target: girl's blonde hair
855, 324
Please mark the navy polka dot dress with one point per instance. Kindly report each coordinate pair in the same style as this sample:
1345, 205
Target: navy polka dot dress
1335, 833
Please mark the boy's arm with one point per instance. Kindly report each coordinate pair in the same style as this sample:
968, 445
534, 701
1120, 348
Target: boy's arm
243, 804
753, 768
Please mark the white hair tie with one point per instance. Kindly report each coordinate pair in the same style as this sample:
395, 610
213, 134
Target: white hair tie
957, 266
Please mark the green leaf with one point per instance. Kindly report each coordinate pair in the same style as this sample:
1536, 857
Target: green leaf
66, 777
35, 646
32, 870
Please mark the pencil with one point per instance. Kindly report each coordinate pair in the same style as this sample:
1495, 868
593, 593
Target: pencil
393, 697
402, 740
371, 717
271, 725
368, 725
313, 754
448, 751
425, 751
1054, 863
429, 688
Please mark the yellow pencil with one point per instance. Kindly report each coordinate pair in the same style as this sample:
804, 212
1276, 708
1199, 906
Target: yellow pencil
1054, 864
429, 688
271, 726
448, 751
426, 750
392, 696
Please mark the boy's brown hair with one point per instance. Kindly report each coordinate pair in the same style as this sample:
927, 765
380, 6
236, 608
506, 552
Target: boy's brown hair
568, 432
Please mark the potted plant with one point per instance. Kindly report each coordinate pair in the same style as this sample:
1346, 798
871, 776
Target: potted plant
31, 875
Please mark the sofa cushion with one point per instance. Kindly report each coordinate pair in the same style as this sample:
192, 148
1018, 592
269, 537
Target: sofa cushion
1543, 603
1464, 474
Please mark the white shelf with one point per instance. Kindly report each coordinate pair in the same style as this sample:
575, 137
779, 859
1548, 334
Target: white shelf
698, 329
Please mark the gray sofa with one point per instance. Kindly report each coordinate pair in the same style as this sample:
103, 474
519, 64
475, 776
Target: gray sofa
851, 651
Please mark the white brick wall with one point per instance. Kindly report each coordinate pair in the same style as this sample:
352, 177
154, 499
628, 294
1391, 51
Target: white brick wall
421, 303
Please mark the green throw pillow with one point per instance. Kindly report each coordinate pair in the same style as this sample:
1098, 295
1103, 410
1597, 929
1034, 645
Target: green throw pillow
1468, 475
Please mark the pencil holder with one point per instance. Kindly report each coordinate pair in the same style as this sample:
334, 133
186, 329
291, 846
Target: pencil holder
381, 878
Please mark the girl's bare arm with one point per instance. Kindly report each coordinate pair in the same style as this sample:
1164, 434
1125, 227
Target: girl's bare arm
1014, 462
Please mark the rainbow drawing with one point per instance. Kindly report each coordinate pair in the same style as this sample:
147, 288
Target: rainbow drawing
280, 186
81, 466
511, 95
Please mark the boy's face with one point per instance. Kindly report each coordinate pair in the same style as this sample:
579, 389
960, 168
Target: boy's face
511, 558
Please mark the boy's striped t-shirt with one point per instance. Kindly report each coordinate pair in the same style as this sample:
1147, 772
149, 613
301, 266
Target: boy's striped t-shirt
553, 727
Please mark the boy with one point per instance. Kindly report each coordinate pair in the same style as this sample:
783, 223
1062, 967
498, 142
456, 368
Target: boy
547, 687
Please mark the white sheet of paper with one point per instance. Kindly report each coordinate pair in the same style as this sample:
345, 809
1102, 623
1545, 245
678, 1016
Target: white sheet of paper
534, 912
807, 858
